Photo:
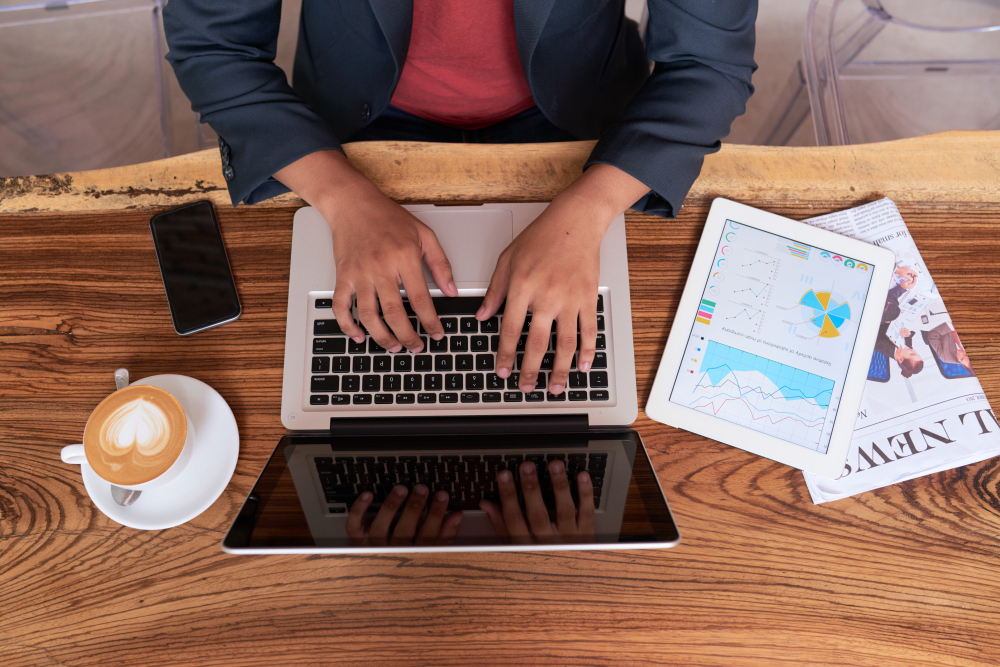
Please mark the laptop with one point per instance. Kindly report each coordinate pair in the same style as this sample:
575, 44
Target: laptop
366, 420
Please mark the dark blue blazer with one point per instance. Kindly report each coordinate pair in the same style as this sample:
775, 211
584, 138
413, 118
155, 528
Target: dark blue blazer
583, 61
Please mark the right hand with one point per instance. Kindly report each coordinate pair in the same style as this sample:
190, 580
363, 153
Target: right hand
413, 527
378, 247
571, 526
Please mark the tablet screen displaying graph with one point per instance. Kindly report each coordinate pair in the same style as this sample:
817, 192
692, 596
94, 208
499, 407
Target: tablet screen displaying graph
773, 337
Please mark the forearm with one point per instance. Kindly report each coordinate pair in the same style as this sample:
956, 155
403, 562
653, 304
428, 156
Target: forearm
326, 180
599, 196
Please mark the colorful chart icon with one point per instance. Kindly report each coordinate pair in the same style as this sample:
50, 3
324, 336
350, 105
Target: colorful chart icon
722, 263
713, 290
862, 267
725, 250
825, 311
733, 225
718, 277
848, 263
824, 256
730, 236
837, 259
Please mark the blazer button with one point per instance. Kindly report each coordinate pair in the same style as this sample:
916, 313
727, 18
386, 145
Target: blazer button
225, 159
222, 144
366, 112
224, 150
228, 173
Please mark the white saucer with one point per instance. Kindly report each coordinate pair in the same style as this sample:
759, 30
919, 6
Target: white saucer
213, 460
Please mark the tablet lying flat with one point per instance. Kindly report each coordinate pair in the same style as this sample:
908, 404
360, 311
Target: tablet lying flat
773, 337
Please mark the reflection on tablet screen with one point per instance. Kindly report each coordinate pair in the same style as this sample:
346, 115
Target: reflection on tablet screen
773, 336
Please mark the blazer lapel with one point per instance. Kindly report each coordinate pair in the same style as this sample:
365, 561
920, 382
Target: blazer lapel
529, 20
395, 17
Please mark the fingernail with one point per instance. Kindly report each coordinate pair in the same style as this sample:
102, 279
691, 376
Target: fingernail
585, 366
503, 372
400, 490
451, 286
504, 476
556, 388
441, 496
420, 490
528, 468
437, 336
557, 466
415, 350
366, 496
395, 348
358, 339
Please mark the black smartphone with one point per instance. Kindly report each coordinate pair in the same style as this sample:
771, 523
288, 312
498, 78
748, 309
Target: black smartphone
200, 288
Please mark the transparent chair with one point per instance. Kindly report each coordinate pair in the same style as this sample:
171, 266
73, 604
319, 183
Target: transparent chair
84, 85
876, 70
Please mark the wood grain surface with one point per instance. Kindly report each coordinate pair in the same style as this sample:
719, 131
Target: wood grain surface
906, 575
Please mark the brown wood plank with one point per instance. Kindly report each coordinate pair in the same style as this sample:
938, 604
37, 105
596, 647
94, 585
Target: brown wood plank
906, 575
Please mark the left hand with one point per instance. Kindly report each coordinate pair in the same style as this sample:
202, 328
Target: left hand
904, 332
412, 528
552, 269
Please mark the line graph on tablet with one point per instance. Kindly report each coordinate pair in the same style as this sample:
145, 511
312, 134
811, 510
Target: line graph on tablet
761, 394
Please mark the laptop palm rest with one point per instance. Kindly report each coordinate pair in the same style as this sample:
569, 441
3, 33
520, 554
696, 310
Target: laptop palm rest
472, 240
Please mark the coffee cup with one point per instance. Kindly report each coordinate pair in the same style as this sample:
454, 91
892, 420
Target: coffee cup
137, 438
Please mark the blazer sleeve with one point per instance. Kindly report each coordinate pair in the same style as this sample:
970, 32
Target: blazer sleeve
223, 54
702, 55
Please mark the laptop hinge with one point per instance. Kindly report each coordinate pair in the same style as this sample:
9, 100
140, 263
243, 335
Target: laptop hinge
401, 426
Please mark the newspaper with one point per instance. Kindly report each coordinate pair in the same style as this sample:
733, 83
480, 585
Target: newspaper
923, 409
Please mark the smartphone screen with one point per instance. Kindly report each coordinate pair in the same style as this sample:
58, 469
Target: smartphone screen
200, 289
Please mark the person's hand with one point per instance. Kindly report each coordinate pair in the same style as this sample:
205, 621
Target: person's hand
904, 332
552, 269
571, 525
378, 247
434, 529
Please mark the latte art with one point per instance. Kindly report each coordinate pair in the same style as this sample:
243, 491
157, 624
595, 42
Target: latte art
139, 424
135, 435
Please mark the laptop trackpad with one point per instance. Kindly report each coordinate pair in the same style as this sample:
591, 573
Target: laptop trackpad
472, 240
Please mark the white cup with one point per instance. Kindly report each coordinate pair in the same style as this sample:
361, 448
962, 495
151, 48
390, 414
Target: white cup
76, 455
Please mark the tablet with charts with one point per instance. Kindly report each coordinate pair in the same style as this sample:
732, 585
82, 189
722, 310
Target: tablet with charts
773, 336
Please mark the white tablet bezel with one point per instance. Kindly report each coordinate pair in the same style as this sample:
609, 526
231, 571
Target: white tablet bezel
659, 407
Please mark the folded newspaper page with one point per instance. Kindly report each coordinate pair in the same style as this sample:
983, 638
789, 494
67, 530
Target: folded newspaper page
923, 409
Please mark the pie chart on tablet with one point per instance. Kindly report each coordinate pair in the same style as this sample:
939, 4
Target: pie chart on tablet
825, 311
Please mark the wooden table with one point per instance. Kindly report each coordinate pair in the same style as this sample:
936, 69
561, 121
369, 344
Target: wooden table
907, 575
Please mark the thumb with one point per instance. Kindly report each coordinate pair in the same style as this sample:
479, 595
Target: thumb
497, 291
437, 261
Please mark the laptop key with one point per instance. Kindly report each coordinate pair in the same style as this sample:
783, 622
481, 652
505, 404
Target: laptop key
484, 362
327, 328
535, 396
433, 382
491, 325
555, 397
547, 360
443, 362
356, 348
459, 344
423, 363
319, 399
491, 397
362, 399
362, 365
473, 380
340, 399
470, 397
453, 382
325, 383
598, 379
402, 363
426, 398
321, 365
351, 383
463, 362
512, 380
600, 322
340, 364
449, 398
577, 395
480, 344
602, 342
600, 303
392, 382
329, 345
450, 325
324, 303
469, 325
494, 381
382, 363
494, 343
438, 345
405, 398
599, 396
521, 342
578, 380
382, 399
600, 360
513, 397
374, 348
411, 383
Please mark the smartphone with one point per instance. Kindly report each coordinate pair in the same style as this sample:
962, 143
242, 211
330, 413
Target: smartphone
200, 288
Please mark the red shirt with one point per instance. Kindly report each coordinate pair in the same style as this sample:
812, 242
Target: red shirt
462, 67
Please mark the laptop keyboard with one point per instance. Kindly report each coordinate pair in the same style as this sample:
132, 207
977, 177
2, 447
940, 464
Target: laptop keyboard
468, 478
458, 371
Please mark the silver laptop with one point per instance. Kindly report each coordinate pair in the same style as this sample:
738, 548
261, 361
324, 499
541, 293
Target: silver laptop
368, 420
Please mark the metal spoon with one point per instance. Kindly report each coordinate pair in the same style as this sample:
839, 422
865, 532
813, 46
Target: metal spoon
123, 497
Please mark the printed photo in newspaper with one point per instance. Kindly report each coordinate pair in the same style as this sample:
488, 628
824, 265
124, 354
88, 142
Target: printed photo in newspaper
923, 408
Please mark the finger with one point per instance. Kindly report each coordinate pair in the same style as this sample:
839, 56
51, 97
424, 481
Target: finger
395, 316
497, 291
585, 515
538, 516
534, 349
565, 507
436, 260
565, 349
421, 302
510, 332
517, 529
406, 527
368, 314
343, 299
588, 337
495, 515
449, 529
383, 520
432, 523
355, 519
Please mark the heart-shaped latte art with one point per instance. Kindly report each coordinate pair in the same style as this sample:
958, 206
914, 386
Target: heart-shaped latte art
139, 424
